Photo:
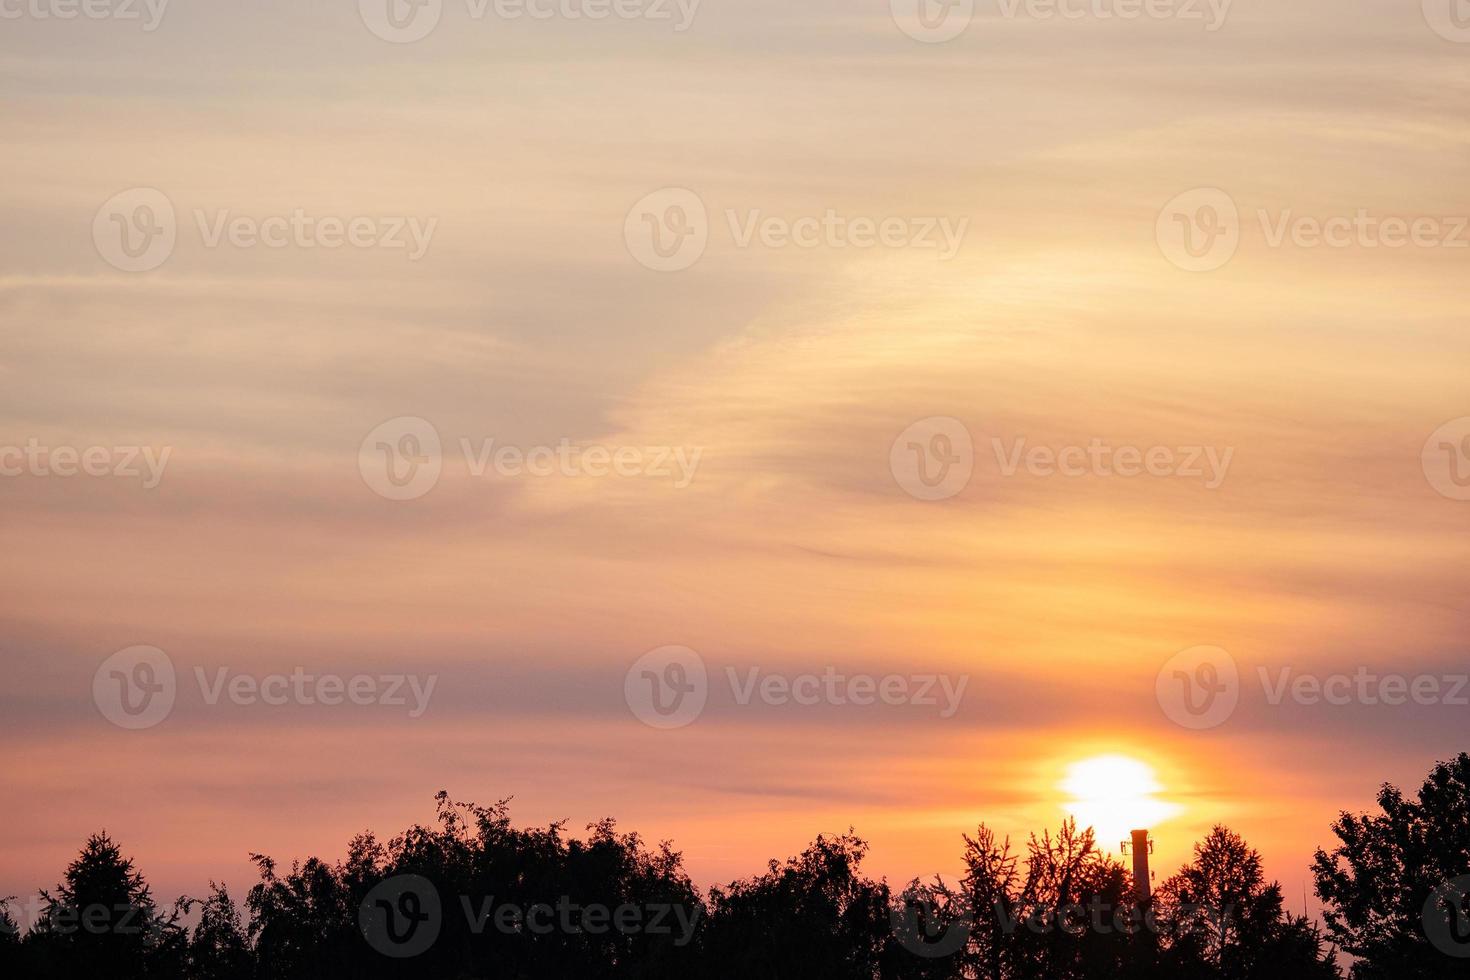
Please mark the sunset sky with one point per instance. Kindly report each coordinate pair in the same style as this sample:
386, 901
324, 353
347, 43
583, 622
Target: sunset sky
1062, 319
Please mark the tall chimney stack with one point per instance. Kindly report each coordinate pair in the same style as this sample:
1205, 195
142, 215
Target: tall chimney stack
1141, 885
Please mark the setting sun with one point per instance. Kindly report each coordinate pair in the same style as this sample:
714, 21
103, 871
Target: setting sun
1114, 794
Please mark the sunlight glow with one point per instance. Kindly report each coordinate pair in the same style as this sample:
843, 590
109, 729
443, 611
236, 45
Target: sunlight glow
1114, 794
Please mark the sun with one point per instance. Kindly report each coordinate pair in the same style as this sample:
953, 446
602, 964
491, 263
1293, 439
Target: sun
1114, 794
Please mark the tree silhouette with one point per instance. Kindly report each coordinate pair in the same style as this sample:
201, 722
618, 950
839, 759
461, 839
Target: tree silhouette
472, 896
1077, 908
10, 949
219, 949
1220, 919
1070, 914
813, 916
992, 890
1395, 885
102, 920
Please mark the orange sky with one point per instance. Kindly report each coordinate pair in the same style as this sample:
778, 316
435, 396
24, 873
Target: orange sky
1059, 321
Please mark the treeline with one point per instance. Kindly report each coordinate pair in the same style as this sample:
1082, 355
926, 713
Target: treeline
473, 897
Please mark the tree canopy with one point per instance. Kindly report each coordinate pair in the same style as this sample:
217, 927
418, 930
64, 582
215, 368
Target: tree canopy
473, 896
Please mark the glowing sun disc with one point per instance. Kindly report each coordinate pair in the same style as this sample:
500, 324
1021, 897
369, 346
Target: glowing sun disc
1114, 794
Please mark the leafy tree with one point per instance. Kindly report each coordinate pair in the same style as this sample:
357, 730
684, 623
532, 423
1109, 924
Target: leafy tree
302, 923
219, 949
1394, 886
1220, 919
498, 901
814, 916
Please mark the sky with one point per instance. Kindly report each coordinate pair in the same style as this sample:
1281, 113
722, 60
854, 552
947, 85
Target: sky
930, 300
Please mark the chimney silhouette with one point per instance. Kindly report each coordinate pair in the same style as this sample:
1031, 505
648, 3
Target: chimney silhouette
1141, 846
